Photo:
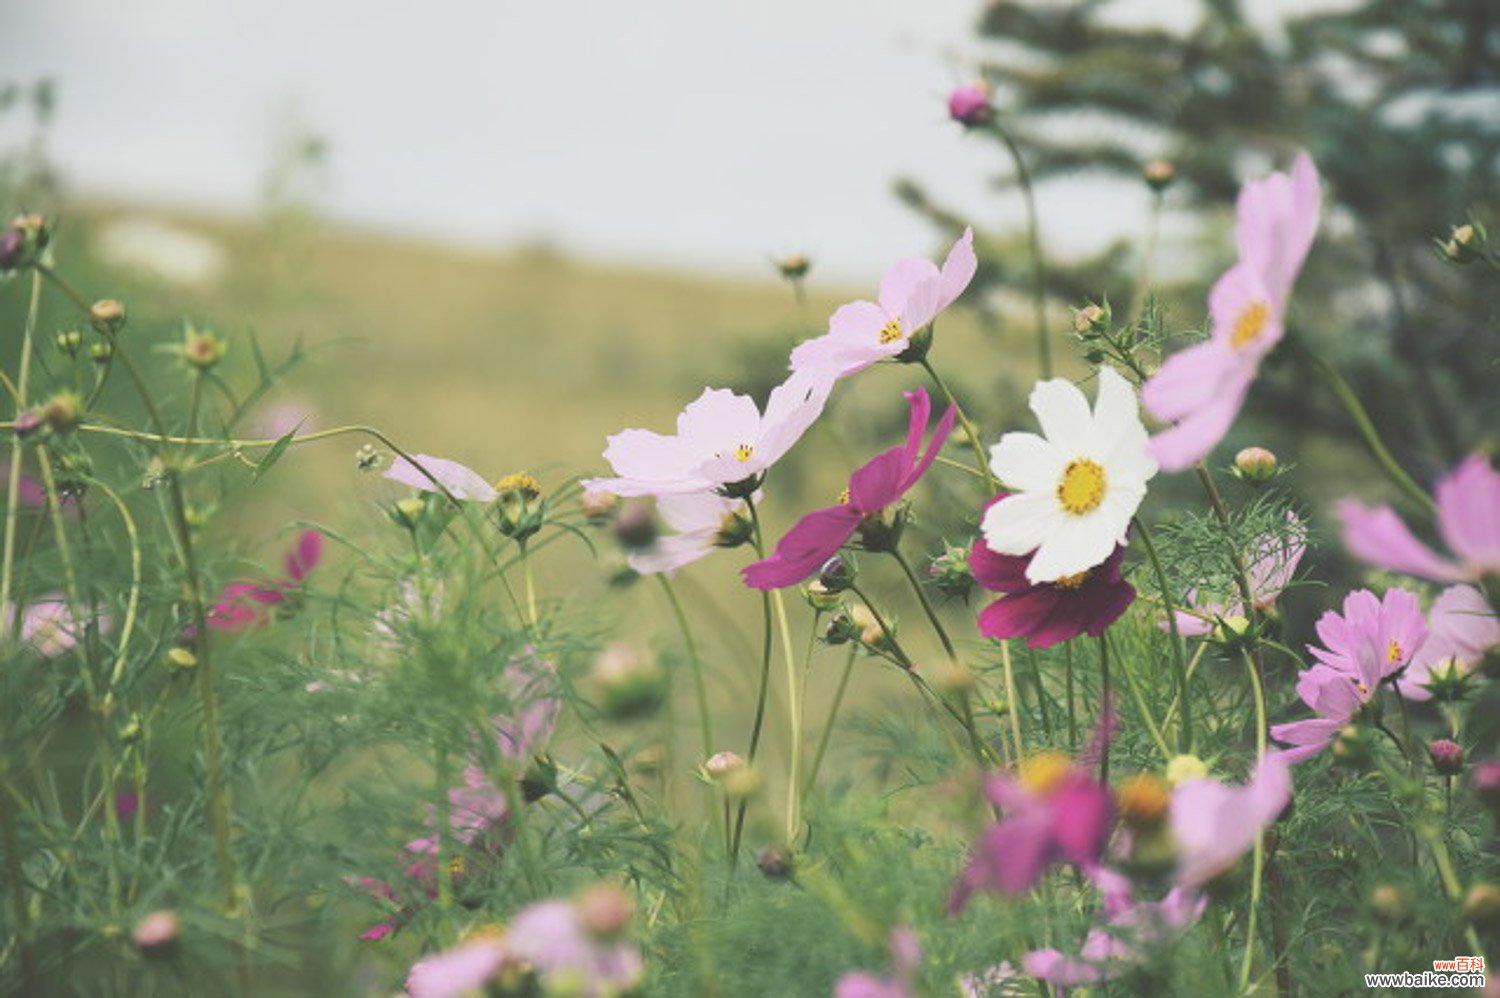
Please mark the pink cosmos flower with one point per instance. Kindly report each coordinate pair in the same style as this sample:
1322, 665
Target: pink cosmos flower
1055, 811
1214, 823
701, 522
879, 484
1201, 389
1372, 640
243, 605
1045, 613
1270, 569
906, 956
554, 939
1122, 942
722, 440
462, 970
48, 625
1468, 515
1462, 628
461, 481
911, 296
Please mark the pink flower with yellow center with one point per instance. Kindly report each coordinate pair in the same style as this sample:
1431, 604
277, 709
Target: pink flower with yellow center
912, 294
1200, 390
1462, 629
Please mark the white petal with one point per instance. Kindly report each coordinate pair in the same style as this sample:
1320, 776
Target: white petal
1027, 463
1116, 412
1074, 546
1021, 523
1064, 414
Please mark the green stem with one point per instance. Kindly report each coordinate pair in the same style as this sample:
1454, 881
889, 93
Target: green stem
705, 721
833, 713
1252, 668
970, 430
1034, 240
1221, 513
1179, 666
927, 607
1104, 705
794, 717
16, 878
758, 539
13, 483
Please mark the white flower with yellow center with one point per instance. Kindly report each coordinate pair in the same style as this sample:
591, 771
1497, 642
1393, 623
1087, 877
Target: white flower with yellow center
1075, 488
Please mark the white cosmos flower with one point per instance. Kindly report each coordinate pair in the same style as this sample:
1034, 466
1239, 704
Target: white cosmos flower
1075, 488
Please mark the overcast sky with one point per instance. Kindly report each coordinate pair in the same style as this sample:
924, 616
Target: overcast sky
701, 134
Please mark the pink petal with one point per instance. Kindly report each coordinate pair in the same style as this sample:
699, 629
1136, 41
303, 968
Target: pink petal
460, 480
959, 268
904, 277
792, 407
1377, 536
1187, 381
459, 971
1191, 440
1020, 614
305, 556
1468, 501
877, 484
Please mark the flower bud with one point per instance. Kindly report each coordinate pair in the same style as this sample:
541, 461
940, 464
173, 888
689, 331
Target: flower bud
793, 266
838, 573
604, 910
23, 241
366, 458
107, 316
1482, 904
1465, 244
1255, 465
775, 862
1485, 779
1144, 801
598, 507
1390, 904
840, 630
27, 422
635, 526
69, 342
950, 573
156, 934
539, 780
519, 505
1092, 318
819, 598
954, 677
1447, 756
101, 352
130, 731
917, 345
63, 412
202, 349
1159, 175
408, 512
722, 764
629, 684
1182, 768
882, 531
969, 104
869, 631
12, 246
181, 658
734, 530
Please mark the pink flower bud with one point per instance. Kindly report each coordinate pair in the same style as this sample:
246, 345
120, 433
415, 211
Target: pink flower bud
969, 104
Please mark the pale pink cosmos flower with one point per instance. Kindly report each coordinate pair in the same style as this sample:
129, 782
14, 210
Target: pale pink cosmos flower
48, 625
1272, 564
554, 940
1369, 642
1201, 389
462, 970
1122, 943
1462, 628
914, 291
700, 523
1214, 823
905, 956
1468, 517
425, 473
722, 440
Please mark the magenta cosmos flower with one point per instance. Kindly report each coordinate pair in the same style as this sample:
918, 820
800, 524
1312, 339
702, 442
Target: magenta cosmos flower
1200, 389
914, 291
1045, 613
1273, 562
1468, 515
879, 484
722, 440
1372, 640
1214, 823
1055, 811
243, 605
1461, 629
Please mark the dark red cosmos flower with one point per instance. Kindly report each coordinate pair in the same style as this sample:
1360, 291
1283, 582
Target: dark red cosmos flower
1045, 613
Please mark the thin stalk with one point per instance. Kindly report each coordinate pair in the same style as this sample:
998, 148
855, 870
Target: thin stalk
757, 538
833, 713
1148, 256
970, 430
1008, 672
1034, 239
1104, 704
1144, 711
20, 911
1259, 860
705, 721
1179, 667
794, 717
1068, 691
1221, 513
13, 482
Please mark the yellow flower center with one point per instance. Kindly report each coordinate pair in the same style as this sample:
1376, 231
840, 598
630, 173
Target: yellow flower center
1394, 652
1364, 691
844, 498
1082, 487
1144, 801
891, 331
743, 453
1041, 773
521, 484
1250, 324
1074, 581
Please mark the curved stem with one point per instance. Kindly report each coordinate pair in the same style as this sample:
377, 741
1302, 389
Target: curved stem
970, 430
1179, 667
705, 721
13, 482
927, 607
1257, 688
1034, 239
833, 713
758, 539
1221, 513
794, 716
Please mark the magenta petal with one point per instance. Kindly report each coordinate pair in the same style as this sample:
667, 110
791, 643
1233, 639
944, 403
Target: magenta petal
934, 446
1107, 602
1008, 858
999, 573
1019, 614
1377, 536
305, 556
816, 538
877, 484
1081, 813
